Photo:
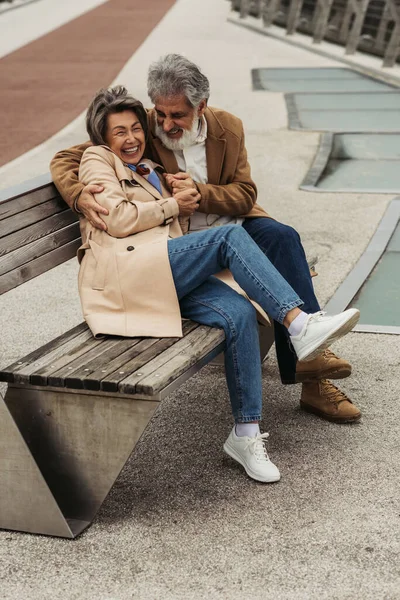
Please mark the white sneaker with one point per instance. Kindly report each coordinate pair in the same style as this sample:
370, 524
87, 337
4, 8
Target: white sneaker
321, 330
252, 455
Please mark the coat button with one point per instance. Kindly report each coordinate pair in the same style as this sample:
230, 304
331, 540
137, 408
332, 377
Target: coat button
130, 248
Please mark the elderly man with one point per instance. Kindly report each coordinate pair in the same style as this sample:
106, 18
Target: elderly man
203, 146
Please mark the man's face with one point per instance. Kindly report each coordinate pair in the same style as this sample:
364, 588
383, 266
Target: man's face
175, 117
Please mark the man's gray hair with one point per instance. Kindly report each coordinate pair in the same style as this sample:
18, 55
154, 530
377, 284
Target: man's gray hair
109, 101
175, 75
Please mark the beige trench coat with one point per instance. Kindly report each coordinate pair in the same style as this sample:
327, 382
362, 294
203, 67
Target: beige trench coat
125, 280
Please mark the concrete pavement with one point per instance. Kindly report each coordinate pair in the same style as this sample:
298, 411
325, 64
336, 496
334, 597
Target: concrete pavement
183, 521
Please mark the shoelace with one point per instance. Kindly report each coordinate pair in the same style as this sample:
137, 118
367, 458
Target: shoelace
313, 317
332, 393
317, 316
256, 445
329, 354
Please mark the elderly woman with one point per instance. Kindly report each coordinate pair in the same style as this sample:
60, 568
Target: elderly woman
142, 275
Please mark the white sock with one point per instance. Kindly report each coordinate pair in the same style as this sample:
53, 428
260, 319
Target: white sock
247, 429
297, 324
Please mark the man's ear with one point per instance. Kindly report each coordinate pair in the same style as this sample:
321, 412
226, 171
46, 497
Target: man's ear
202, 107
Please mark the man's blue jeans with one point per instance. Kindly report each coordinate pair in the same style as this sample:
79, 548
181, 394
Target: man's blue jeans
282, 245
194, 259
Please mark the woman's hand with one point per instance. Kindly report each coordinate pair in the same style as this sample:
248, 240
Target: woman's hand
188, 201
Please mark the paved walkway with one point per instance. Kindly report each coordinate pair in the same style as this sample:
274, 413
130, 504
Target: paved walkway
183, 522
48, 82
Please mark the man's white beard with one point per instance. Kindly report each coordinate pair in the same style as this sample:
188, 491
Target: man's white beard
187, 139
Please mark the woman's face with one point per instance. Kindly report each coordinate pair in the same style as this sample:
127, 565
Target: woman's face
125, 136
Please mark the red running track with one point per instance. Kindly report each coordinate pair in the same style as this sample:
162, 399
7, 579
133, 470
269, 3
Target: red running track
49, 82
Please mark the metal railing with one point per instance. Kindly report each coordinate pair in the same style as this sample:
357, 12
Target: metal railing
369, 25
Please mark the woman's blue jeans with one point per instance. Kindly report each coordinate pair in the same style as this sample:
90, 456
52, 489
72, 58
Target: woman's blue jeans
194, 258
282, 245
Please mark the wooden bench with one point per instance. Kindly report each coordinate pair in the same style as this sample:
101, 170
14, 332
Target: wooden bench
75, 408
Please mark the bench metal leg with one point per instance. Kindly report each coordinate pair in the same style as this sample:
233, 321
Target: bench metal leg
60, 453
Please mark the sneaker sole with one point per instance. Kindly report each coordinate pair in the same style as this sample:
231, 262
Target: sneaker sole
320, 413
231, 452
334, 335
323, 374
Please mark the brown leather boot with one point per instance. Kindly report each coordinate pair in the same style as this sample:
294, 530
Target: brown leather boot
325, 400
327, 364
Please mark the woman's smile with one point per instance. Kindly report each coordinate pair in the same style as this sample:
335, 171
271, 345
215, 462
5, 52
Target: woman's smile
125, 136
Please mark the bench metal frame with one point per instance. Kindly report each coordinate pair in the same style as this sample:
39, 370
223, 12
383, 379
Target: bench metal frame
55, 471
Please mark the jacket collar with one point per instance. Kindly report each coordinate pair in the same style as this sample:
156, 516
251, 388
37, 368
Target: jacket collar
124, 173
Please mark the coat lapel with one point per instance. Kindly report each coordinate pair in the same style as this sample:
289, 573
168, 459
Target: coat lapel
215, 147
124, 173
215, 152
145, 184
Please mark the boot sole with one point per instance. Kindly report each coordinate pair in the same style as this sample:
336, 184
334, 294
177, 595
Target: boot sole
335, 335
231, 452
320, 413
327, 374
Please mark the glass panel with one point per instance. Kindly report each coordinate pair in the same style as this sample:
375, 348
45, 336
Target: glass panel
329, 79
309, 73
356, 120
368, 146
351, 101
323, 85
361, 175
379, 298
363, 162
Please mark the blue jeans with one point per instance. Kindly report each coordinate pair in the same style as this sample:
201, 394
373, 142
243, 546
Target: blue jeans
194, 259
282, 245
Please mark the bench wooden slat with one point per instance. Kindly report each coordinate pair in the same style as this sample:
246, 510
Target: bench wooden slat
62, 377
32, 215
34, 250
21, 238
77, 378
112, 381
94, 379
23, 374
74, 350
21, 203
159, 366
183, 355
38, 266
19, 365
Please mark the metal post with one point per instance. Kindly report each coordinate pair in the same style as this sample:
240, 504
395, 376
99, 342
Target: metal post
268, 11
321, 21
393, 47
244, 8
345, 26
294, 16
386, 17
355, 32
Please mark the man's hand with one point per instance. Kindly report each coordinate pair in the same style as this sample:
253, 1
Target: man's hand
91, 209
188, 201
179, 181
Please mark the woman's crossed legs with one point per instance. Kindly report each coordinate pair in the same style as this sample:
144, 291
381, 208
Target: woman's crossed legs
194, 259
